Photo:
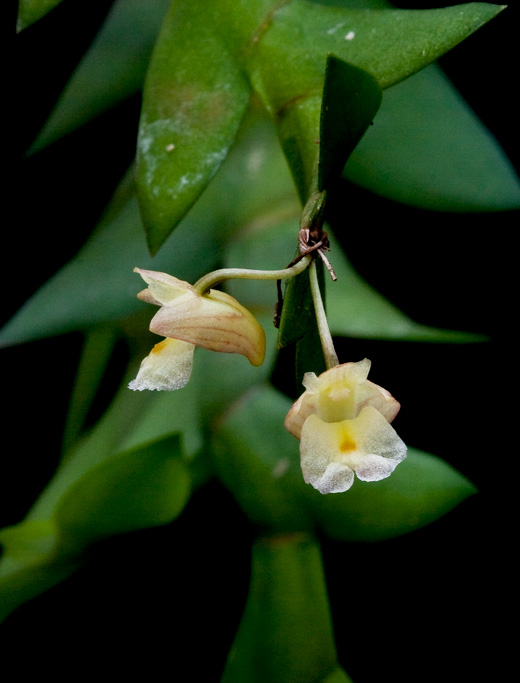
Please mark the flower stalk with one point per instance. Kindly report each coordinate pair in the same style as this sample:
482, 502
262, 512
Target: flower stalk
208, 281
329, 352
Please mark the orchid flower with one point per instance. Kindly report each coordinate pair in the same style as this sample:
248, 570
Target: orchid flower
342, 421
187, 318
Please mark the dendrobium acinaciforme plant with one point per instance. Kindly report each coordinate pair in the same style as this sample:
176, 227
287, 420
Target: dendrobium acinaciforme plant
249, 111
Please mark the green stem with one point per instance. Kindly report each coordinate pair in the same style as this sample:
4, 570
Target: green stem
211, 279
329, 352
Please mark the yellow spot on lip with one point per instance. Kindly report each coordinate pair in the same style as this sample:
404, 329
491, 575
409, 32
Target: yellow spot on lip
347, 444
157, 348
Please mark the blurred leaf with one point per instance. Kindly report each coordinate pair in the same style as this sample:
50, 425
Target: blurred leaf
30, 563
95, 355
337, 676
194, 100
98, 285
428, 149
351, 98
113, 68
126, 491
30, 11
422, 489
146, 487
258, 461
286, 630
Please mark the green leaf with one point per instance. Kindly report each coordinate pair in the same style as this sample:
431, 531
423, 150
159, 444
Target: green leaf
287, 65
351, 98
113, 68
196, 92
30, 11
30, 564
422, 489
286, 631
428, 149
258, 461
195, 97
131, 490
98, 285
137, 489
95, 355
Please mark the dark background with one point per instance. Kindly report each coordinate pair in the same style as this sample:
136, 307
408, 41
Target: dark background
425, 607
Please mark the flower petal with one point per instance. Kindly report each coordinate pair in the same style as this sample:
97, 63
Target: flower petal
162, 288
215, 321
166, 368
331, 452
321, 459
338, 394
373, 435
375, 468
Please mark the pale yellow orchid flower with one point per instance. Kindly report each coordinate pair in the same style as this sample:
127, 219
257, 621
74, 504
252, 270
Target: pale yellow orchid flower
342, 421
187, 318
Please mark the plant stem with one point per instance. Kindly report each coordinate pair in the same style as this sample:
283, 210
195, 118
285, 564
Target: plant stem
329, 352
211, 279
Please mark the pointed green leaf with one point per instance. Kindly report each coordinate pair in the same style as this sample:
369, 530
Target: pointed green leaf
257, 460
351, 98
98, 285
30, 563
132, 490
112, 69
298, 325
286, 630
94, 359
194, 100
30, 11
390, 44
428, 149
287, 65
422, 489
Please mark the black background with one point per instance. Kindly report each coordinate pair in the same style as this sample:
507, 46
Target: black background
428, 606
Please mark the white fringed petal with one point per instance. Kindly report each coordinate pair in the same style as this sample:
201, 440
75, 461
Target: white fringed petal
332, 451
166, 368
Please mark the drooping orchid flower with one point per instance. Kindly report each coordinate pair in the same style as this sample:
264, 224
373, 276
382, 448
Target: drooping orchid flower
342, 421
188, 318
